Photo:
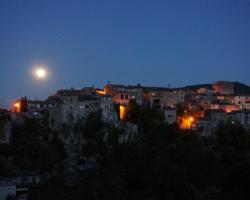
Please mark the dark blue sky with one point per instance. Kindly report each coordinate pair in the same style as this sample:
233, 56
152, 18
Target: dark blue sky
153, 42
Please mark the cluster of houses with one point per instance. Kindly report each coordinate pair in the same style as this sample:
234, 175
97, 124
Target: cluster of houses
68, 107
200, 108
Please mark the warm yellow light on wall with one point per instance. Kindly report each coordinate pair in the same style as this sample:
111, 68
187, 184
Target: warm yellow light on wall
123, 112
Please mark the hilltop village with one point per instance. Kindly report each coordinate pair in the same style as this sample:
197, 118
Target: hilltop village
200, 108
121, 138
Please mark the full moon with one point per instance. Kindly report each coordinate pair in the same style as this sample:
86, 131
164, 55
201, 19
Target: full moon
41, 73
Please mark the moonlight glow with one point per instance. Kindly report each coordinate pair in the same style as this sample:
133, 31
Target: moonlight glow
40, 73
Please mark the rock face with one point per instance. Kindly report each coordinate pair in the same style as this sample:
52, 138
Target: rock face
5, 132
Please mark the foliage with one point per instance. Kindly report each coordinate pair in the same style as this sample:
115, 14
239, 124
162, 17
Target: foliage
92, 129
134, 110
30, 148
163, 161
113, 135
9, 197
4, 117
171, 164
92, 126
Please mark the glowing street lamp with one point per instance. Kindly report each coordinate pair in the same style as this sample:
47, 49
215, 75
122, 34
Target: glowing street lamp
17, 107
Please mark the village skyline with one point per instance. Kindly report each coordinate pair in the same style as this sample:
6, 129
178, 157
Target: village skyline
6, 102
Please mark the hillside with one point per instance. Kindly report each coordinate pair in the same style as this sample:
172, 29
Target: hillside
239, 88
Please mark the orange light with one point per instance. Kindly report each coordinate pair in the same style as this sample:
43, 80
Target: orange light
123, 112
17, 107
228, 110
186, 122
100, 92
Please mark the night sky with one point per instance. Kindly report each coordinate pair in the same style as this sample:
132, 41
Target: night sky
152, 42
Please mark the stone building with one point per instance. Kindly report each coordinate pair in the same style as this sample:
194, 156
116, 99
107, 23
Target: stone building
156, 97
107, 107
170, 115
68, 107
242, 117
75, 105
123, 94
224, 87
210, 122
216, 115
227, 107
243, 101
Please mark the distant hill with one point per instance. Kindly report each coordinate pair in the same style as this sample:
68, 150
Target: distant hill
196, 87
239, 88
